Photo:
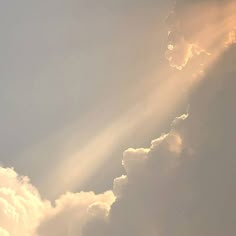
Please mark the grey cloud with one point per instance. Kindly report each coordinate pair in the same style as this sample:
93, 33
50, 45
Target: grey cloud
183, 184
192, 191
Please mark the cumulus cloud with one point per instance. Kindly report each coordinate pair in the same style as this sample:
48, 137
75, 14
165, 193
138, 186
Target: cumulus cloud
22, 210
73, 210
86, 213
137, 195
21, 207
184, 183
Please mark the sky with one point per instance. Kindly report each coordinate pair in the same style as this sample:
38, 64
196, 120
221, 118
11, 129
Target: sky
69, 69
117, 118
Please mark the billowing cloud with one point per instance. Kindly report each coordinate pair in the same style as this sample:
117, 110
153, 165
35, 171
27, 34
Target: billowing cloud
21, 207
184, 183
73, 211
22, 210
134, 212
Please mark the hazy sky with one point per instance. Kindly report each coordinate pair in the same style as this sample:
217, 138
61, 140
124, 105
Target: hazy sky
69, 68
84, 88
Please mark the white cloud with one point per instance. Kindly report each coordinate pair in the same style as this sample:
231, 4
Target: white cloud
73, 211
3, 232
22, 210
119, 184
20, 204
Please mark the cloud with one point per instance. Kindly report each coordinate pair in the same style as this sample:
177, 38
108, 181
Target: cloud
87, 213
21, 207
3, 232
22, 210
73, 210
198, 29
232, 38
184, 183
137, 195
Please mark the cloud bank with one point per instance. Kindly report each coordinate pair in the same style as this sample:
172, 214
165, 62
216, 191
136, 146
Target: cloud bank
183, 184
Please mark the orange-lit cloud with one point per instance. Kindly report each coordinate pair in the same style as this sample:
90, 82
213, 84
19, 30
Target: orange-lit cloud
231, 39
21, 207
199, 27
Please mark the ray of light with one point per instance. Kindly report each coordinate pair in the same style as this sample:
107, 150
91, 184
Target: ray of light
76, 168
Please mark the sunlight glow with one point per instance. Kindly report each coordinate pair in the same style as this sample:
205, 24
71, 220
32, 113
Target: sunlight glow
77, 168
